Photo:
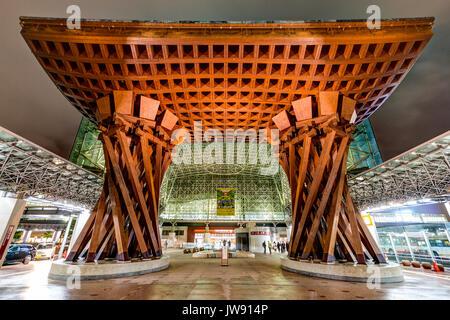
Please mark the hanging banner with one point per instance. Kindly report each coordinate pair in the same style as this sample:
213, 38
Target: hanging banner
5, 242
225, 201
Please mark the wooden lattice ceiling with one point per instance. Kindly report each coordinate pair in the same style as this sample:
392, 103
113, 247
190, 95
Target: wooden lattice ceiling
227, 75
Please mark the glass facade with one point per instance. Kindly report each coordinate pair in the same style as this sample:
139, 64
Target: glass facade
87, 150
364, 153
426, 243
188, 191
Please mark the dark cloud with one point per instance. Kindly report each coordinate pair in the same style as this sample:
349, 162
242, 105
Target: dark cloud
32, 106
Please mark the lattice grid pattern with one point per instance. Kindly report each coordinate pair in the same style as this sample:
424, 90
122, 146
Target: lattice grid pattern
422, 172
193, 197
29, 169
241, 80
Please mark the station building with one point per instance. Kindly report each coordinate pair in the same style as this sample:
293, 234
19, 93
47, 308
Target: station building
125, 199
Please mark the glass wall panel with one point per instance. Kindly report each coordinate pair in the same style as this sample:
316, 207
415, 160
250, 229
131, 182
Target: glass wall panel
363, 152
418, 249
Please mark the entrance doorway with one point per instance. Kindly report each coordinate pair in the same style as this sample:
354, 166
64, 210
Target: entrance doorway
242, 241
214, 238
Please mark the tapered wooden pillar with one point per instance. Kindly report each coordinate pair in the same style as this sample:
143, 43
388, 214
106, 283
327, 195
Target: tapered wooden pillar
124, 222
315, 142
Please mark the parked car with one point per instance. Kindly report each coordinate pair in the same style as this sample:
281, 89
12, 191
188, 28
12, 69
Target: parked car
44, 251
20, 253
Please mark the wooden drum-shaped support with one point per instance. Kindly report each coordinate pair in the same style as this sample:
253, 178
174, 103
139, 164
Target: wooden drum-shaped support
124, 222
315, 141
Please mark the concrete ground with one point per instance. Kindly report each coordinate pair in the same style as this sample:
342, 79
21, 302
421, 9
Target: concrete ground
244, 279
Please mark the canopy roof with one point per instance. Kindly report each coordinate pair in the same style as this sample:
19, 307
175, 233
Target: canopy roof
227, 74
420, 173
43, 176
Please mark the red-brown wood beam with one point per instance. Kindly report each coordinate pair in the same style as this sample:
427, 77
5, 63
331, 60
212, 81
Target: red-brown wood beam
325, 197
119, 232
137, 188
354, 227
95, 238
312, 192
148, 170
298, 196
83, 237
334, 214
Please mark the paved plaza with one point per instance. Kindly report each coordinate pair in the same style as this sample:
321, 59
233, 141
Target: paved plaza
260, 278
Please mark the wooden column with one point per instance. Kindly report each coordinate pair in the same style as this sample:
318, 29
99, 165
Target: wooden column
124, 223
325, 223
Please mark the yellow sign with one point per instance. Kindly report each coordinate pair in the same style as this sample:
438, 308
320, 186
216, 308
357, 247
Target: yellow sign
367, 220
225, 201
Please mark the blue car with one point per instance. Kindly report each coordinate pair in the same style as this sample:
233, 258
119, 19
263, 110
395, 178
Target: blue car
20, 253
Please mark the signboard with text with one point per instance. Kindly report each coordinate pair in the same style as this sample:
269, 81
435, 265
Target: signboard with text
260, 233
225, 201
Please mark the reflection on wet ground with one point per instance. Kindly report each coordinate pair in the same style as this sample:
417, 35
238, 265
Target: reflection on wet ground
189, 278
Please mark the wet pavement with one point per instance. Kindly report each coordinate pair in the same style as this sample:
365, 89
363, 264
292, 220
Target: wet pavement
190, 278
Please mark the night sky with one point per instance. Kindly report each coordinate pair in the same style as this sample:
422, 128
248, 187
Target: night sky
31, 106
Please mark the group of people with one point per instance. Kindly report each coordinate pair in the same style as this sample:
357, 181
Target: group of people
280, 246
224, 242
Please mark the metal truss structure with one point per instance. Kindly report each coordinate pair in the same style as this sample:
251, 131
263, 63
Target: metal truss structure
420, 173
36, 173
188, 192
39, 217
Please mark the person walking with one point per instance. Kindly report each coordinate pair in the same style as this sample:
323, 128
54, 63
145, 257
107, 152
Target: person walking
229, 244
269, 244
283, 247
279, 247
264, 246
